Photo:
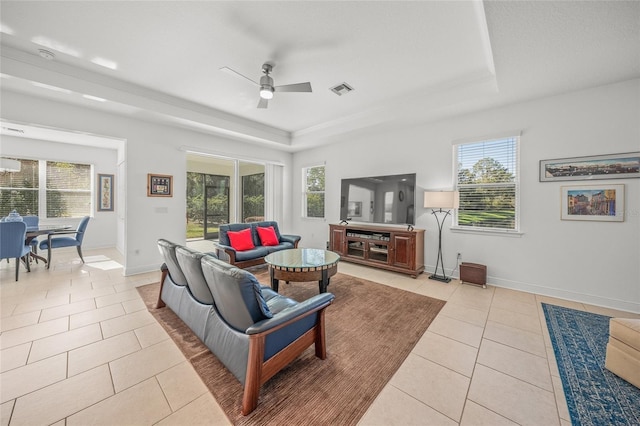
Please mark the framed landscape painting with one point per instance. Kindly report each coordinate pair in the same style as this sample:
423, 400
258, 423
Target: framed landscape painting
612, 166
593, 202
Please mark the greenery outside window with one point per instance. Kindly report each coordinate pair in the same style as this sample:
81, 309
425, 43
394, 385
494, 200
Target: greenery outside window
19, 190
487, 178
313, 197
253, 197
49, 189
68, 189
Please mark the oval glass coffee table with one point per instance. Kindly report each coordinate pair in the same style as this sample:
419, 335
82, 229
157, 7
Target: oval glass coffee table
302, 265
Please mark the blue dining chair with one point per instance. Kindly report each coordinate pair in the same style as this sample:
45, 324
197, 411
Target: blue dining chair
12, 245
32, 222
53, 242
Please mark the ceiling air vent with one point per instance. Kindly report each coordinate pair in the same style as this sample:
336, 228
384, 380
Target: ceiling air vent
341, 89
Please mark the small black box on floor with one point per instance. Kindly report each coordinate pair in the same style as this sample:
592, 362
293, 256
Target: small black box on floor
473, 273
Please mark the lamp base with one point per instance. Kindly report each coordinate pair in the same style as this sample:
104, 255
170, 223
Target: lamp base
440, 278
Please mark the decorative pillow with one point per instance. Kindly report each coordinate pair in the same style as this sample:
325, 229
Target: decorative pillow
241, 240
268, 236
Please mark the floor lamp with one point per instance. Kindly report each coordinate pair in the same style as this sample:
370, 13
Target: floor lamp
441, 202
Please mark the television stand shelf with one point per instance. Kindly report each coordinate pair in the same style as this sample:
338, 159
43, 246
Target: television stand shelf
393, 249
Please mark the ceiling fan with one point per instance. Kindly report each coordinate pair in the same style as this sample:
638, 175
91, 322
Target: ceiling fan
266, 84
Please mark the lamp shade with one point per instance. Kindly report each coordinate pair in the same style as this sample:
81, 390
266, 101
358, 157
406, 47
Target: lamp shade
9, 165
441, 199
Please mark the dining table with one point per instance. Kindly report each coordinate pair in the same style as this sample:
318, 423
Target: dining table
42, 229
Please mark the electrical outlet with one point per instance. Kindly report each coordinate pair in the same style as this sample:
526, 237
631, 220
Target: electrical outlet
459, 256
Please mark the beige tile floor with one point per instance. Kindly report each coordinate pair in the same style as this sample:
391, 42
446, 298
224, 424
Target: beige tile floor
78, 347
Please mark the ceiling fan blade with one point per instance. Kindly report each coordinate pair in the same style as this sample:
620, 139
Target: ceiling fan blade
298, 87
235, 73
263, 103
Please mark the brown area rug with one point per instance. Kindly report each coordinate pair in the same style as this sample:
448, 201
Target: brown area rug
370, 330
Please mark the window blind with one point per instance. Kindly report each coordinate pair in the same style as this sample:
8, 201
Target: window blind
487, 178
68, 191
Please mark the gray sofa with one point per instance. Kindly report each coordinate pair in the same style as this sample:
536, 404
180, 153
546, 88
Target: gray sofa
246, 258
254, 331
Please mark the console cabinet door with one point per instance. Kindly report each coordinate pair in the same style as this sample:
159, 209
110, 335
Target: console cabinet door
337, 241
404, 251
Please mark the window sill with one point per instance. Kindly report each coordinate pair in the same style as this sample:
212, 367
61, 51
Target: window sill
478, 231
315, 219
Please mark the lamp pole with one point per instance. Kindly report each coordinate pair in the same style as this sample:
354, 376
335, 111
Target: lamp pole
439, 261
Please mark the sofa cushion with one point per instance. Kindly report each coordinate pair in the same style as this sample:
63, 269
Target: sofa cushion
241, 240
281, 246
236, 293
168, 251
266, 224
267, 236
189, 261
223, 238
252, 254
276, 302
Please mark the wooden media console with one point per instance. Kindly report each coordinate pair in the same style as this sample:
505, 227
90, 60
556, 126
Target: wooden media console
393, 249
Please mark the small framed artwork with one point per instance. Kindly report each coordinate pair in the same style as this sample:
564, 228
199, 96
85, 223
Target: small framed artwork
159, 185
593, 202
105, 193
355, 209
612, 166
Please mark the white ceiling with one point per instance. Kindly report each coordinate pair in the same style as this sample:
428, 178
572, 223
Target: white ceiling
408, 61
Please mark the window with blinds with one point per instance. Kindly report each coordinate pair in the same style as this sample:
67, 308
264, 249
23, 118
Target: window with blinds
19, 190
487, 179
49, 189
68, 189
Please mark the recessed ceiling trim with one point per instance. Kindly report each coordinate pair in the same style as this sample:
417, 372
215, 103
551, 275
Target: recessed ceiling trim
20, 64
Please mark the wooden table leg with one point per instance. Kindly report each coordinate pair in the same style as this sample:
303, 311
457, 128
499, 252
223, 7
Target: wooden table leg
324, 282
274, 280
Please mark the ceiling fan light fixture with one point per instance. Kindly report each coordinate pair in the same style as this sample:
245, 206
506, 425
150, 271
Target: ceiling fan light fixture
266, 92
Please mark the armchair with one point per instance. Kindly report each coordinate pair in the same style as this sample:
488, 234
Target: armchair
261, 330
76, 241
12, 243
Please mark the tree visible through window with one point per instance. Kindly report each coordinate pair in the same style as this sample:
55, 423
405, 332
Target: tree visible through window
68, 189
487, 178
19, 190
66, 186
313, 191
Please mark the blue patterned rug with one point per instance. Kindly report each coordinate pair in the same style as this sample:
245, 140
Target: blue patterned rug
595, 396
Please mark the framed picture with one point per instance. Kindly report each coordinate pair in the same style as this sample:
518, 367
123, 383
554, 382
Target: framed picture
159, 185
613, 166
593, 202
105, 193
355, 209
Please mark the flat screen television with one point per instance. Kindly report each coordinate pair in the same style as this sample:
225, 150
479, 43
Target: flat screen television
379, 199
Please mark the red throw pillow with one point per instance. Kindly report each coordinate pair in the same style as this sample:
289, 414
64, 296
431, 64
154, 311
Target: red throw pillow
241, 240
268, 236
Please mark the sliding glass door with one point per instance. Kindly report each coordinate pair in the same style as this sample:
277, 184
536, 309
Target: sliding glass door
216, 204
222, 191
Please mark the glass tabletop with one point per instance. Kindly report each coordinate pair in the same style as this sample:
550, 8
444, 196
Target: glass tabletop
302, 258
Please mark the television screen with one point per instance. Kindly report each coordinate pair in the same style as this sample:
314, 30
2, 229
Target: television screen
379, 199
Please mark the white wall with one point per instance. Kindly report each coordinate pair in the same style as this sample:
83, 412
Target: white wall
102, 228
594, 262
149, 148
